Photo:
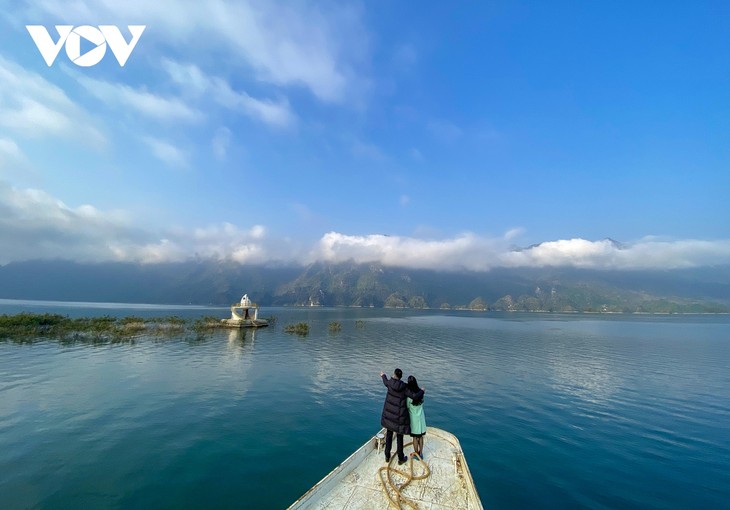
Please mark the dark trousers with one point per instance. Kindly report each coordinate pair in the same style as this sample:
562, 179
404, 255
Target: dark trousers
389, 444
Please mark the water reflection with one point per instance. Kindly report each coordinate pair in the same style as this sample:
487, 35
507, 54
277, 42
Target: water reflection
592, 381
239, 356
240, 339
326, 380
161, 418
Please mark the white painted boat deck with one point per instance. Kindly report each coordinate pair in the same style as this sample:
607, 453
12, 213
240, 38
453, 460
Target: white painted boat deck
355, 484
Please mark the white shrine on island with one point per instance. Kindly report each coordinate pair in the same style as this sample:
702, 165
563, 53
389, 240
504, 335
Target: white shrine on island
244, 314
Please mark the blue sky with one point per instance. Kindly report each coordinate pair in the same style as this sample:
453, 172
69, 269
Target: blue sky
427, 134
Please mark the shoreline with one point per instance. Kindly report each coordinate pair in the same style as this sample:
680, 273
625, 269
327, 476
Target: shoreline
110, 305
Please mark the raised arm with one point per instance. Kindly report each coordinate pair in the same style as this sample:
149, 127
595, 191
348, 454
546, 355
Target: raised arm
385, 378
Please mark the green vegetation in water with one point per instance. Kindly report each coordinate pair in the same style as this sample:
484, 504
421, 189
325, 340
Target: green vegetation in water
360, 324
271, 320
300, 328
335, 326
28, 327
206, 323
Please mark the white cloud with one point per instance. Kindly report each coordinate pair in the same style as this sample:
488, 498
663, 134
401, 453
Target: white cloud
145, 103
514, 233
283, 43
188, 76
166, 152
34, 107
197, 84
36, 225
605, 254
224, 241
257, 232
226, 232
221, 141
274, 113
9, 151
161, 251
466, 251
475, 253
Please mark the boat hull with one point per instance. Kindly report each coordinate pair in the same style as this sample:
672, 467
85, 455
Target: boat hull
356, 482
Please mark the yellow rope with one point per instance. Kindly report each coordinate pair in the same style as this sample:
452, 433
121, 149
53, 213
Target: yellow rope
389, 485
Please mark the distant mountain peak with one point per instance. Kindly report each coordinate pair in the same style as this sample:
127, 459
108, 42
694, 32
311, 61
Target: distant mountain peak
616, 244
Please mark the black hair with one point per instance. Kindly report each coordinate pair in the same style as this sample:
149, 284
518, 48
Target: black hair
398, 373
413, 386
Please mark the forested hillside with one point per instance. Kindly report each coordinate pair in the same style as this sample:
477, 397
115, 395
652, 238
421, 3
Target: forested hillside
372, 285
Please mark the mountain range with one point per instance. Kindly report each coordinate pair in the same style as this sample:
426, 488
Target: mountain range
701, 290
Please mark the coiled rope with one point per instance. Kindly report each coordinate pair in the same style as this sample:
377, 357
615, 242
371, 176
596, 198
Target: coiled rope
394, 491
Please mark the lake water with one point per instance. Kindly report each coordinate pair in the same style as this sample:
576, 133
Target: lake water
552, 411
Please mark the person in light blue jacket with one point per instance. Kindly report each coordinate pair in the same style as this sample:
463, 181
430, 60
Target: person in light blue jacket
417, 416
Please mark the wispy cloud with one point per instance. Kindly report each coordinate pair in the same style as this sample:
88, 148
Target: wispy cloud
285, 44
195, 83
14, 163
9, 150
166, 152
513, 233
34, 107
274, 113
220, 142
143, 102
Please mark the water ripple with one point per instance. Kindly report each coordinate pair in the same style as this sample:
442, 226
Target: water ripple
551, 411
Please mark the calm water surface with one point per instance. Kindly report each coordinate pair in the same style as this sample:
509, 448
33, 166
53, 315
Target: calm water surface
553, 411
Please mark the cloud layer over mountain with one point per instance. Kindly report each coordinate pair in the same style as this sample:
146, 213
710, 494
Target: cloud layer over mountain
34, 224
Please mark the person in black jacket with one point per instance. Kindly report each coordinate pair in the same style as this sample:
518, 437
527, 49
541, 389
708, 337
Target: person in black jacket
395, 418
